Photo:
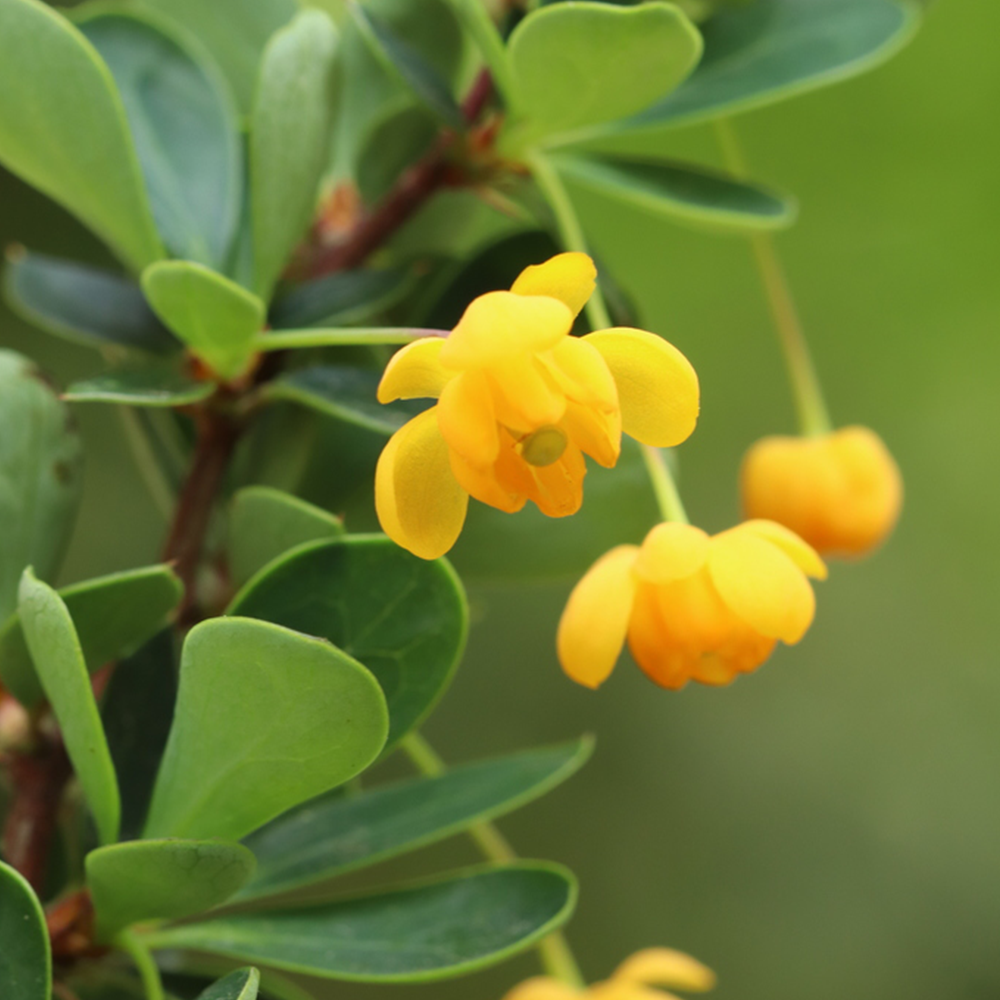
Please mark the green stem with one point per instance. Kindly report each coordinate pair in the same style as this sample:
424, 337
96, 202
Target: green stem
163, 496
554, 951
570, 230
142, 958
813, 416
477, 21
668, 499
283, 340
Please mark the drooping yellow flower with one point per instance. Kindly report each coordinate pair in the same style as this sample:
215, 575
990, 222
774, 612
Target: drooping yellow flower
520, 402
692, 607
842, 492
632, 980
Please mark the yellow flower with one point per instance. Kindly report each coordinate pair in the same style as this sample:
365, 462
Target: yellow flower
692, 607
631, 980
520, 402
841, 492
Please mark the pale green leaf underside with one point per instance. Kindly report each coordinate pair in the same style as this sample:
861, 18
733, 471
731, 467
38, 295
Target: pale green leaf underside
239, 985
25, 961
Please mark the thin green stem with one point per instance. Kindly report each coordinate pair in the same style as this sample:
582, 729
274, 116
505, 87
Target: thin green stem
477, 21
570, 230
668, 499
283, 340
553, 951
143, 960
813, 416
156, 482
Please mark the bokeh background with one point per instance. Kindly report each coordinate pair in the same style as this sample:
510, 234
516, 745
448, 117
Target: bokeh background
829, 827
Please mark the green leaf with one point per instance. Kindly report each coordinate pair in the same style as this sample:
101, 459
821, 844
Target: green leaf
112, 615
25, 958
137, 707
337, 834
392, 146
234, 32
681, 192
239, 985
66, 132
214, 316
340, 299
580, 64
343, 393
163, 880
58, 658
85, 304
770, 50
408, 66
435, 930
266, 718
404, 618
40, 475
184, 123
289, 139
151, 386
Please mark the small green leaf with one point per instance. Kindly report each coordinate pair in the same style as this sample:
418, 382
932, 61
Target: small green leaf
464, 922
343, 393
289, 139
408, 66
40, 475
66, 132
580, 64
58, 658
113, 616
681, 192
184, 123
266, 718
239, 985
214, 316
163, 880
404, 618
85, 304
25, 958
264, 523
150, 386
337, 834
340, 299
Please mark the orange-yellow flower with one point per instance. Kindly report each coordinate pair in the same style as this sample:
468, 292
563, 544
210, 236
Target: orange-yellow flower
841, 492
520, 402
631, 980
692, 607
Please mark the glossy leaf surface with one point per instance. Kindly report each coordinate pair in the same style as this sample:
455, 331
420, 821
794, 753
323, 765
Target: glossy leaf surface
266, 718
402, 617
332, 835
464, 922
58, 658
340, 299
239, 985
151, 386
66, 133
25, 962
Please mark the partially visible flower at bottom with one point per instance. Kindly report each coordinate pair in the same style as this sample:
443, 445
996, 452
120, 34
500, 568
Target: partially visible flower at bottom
632, 980
842, 492
692, 607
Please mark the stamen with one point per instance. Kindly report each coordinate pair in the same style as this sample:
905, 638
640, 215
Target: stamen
544, 446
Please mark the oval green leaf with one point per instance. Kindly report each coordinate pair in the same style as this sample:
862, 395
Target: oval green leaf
340, 299
337, 834
266, 718
66, 132
84, 304
448, 927
214, 316
404, 618
681, 192
163, 880
58, 658
112, 615
25, 958
152, 386
184, 123
239, 985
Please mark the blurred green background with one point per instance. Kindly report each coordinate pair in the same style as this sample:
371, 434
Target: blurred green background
830, 826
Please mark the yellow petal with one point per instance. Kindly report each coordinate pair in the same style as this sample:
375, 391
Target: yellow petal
671, 552
597, 434
568, 277
415, 371
761, 585
800, 552
657, 387
558, 488
593, 626
500, 324
580, 370
666, 967
467, 419
484, 485
419, 502
525, 395
542, 988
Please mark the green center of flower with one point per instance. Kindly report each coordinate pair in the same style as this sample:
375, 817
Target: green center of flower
544, 447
